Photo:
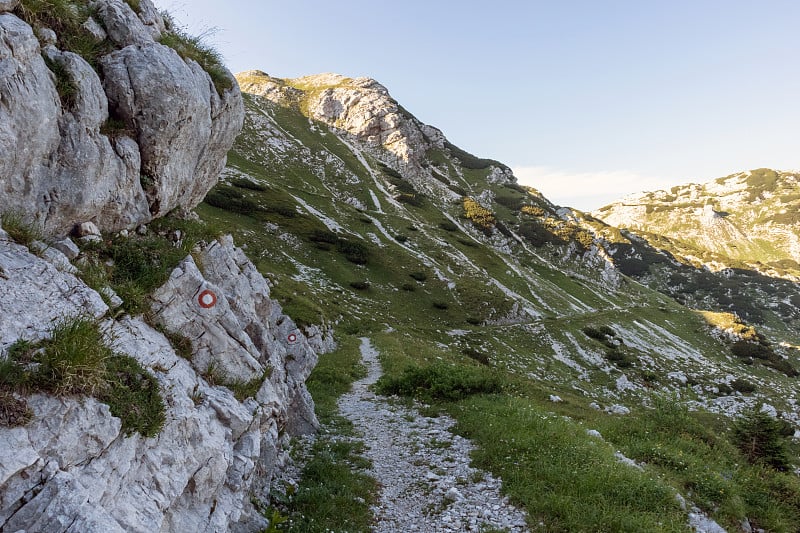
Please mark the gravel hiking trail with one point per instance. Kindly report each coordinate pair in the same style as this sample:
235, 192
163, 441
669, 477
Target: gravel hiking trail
427, 483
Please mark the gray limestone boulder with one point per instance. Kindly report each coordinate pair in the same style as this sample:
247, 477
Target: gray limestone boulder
64, 164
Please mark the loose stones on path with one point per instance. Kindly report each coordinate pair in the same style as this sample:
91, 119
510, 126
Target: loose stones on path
423, 469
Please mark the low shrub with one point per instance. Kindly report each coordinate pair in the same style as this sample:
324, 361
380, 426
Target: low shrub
360, 285
441, 382
480, 357
481, 217
763, 353
763, 439
419, 275
448, 225
443, 306
243, 183
742, 385
353, 251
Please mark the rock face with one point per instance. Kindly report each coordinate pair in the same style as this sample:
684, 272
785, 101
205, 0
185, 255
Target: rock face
71, 468
64, 162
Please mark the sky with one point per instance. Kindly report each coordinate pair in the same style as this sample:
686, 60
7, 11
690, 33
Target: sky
586, 100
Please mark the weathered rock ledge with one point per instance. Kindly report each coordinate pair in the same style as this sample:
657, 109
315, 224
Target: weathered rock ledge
71, 468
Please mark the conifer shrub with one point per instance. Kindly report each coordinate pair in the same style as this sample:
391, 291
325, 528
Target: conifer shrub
419, 275
353, 251
742, 385
536, 234
360, 285
763, 353
448, 225
243, 183
763, 439
441, 382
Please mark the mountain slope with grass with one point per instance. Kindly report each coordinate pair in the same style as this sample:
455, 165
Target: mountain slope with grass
367, 219
729, 246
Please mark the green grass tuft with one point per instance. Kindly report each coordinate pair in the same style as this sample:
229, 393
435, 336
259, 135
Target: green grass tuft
194, 48
133, 396
75, 361
19, 229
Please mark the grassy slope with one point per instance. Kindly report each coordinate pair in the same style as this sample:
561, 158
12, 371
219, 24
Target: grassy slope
412, 322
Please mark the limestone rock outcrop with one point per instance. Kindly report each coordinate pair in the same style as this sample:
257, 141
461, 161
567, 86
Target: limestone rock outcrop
72, 468
145, 133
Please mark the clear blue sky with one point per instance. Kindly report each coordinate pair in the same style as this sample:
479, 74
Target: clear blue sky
586, 99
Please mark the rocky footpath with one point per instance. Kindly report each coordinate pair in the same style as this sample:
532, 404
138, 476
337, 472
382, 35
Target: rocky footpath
140, 133
427, 483
72, 469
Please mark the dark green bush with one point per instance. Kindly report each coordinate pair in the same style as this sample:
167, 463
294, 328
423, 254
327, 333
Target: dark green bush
763, 439
323, 235
353, 251
468, 160
360, 285
408, 287
448, 225
419, 275
742, 385
536, 234
480, 357
443, 306
441, 382
243, 183
764, 353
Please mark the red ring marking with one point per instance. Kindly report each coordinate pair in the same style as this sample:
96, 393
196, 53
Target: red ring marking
206, 302
292, 337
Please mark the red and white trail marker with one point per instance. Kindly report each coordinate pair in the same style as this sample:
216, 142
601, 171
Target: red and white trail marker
207, 299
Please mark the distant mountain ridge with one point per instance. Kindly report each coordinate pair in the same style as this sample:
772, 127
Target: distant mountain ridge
750, 217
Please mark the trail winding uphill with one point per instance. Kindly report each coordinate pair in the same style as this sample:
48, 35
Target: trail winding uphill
423, 469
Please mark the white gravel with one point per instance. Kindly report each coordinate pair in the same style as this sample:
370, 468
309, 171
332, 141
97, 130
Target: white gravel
423, 469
